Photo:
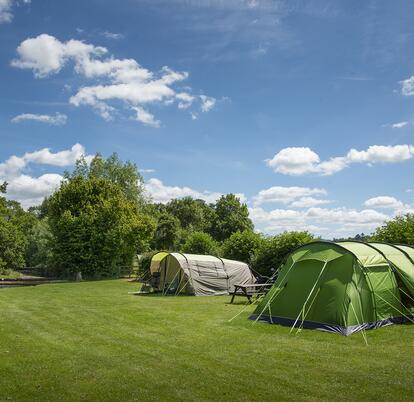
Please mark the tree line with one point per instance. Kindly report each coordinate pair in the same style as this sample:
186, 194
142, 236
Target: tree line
100, 219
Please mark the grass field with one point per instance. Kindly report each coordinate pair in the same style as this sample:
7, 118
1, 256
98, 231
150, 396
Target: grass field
92, 341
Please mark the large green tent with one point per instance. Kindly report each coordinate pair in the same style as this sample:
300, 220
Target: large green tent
342, 287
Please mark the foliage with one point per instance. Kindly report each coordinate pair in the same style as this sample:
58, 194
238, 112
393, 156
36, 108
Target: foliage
96, 228
39, 245
123, 174
273, 250
12, 245
167, 232
231, 216
193, 214
13, 222
200, 243
242, 246
398, 230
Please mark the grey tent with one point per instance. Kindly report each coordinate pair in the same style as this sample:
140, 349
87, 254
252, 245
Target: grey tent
199, 275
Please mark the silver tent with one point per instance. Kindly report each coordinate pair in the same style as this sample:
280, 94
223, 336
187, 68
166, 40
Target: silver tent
199, 275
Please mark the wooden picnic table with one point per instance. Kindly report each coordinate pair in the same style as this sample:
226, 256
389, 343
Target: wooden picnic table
250, 289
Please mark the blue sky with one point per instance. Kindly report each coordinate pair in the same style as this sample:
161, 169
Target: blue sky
304, 108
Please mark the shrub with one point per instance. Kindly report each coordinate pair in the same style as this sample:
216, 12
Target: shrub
242, 246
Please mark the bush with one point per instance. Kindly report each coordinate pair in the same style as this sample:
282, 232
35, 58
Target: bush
397, 230
273, 250
200, 243
242, 246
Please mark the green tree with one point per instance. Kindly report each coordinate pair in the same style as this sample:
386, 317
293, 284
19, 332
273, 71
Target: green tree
96, 228
200, 243
192, 214
398, 230
166, 233
12, 239
123, 174
273, 250
12, 246
39, 245
231, 216
242, 246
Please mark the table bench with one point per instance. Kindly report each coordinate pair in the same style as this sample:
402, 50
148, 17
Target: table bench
250, 289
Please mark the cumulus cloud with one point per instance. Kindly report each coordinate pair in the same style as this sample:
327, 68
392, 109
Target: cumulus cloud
407, 86
388, 202
115, 79
162, 193
317, 219
31, 190
297, 161
286, 195
145, 117
58, 119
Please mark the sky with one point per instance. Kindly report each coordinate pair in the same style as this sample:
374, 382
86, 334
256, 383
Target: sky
304, 109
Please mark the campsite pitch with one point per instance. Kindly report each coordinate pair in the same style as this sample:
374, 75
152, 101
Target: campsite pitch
93, 341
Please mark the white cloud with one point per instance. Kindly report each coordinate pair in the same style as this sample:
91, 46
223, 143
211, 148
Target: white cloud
112, 35
145, 117
285, 195
58, 119
5, 11
388, 202
162, 193
400, 124
318, 220
115, 80
307, 202
31, 190
6, 8
207, 103
297, 161
407, 86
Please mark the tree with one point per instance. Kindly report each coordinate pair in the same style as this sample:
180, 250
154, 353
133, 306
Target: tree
242, 246
12, 246
96, 228
166, 233
273, 250
231, 216
12, 238
200, 243
123, 174
398, 230
192, 214
39, 245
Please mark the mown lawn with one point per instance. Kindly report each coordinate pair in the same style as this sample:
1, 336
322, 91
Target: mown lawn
92, 341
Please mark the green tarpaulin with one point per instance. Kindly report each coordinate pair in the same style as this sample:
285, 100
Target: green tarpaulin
342, 287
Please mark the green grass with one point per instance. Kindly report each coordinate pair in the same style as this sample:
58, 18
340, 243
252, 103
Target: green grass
92, 341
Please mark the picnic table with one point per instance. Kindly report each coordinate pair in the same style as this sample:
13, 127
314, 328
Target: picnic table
250, 289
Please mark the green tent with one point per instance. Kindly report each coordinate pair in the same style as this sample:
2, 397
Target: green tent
342, 287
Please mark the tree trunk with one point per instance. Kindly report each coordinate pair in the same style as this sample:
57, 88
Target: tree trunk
78, 276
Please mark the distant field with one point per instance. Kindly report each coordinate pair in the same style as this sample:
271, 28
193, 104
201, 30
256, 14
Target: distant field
92, 341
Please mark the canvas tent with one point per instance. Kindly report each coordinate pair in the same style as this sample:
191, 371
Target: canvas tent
342, 287
200, 275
